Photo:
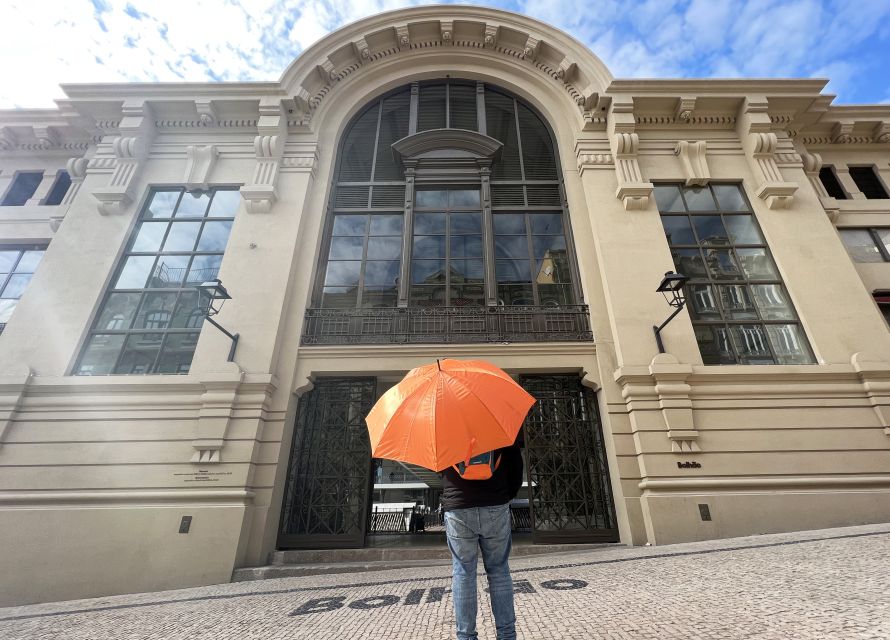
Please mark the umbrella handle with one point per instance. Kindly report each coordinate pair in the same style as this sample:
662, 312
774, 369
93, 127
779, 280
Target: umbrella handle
469, 451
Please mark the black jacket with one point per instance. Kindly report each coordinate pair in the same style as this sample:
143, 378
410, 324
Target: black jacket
502, 487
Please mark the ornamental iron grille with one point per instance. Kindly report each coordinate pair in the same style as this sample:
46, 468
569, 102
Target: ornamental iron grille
327, 491
568, 475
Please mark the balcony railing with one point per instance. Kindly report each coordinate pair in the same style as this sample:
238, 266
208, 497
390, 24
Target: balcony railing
430, 325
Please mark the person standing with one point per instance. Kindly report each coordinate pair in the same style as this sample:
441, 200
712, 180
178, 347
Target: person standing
477, 517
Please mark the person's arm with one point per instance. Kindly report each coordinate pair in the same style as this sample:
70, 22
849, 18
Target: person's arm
513, 459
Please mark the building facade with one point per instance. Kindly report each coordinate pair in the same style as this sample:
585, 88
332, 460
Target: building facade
432, 182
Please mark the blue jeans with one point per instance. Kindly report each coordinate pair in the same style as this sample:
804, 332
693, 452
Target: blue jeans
468, 530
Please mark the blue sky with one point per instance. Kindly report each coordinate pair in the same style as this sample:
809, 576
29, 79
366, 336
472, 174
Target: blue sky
47, 42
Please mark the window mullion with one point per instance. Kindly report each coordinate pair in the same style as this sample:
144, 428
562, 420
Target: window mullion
407, 239
876, 238
481, 122
413, 108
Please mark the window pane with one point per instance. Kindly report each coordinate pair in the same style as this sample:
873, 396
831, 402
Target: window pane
463, 198
225, 204
385, 248
139, 353
699, 199
8, 260
135, 272
722, 264
513, 271
22, 189
467, 271
16, 285
427, 271
757, 264
511, 247
730, 197
789, 344
703, 302
468, 295
29, 261
118, 311
742, 230
772, 300
162, 204
169, 271
556, 295
431, 199
751, 344
515, 295
466, 223
378, 298
100, 355
187, 314
508, 223
689, 262
427, 223
429, 246
6, 309
343, 273
203, 268
553, 269
148, 238
710, 230
156, 311
350, 225
214, 236
347, 248
668, 199
182, 236
546, 223
339, 297
381, 273
193, 204
548, 245
179, 349
425, 296
678, 230
714, 344
860, 245
737, 303
386, 225
884, 236
466, 246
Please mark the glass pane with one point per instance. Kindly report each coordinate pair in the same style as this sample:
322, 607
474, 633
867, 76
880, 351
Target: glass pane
545, 246
214, 236
511, 247
722, 264
884, 235
789, 344
148, 238
225, 204
156, 311
379, 273
710, 230
667, 197
513, 271
429, 246
678, 230
169, 271
350, 225
424, 296
467, 271
512, 295
100, 355
6, 309
343, 273
139, 353
466, 223
182, 236
204, 268
466, 246
751, 344
730, 197
714, 344
29, 261
703, 302
179, 348
553, 269
860, 245
193, 204
737, 303
118, 311
689, 262
135, 272
187, 314
386, 225
468, 295
378, 298
347, 248
8, 260
339, 297
556, 295
385, 248
772, 301
742, 230
757, 264
427, 223
427, 271
507, 223
546, 223
162, 204
699, 199
464, 197
16, 285
431, 199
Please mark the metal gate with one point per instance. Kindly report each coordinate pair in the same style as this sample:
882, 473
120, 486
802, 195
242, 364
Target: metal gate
327, 492
571, 498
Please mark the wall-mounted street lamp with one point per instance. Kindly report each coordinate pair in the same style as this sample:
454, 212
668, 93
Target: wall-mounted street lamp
671, 288
211, 297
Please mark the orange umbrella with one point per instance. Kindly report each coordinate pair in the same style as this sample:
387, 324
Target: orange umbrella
442, 413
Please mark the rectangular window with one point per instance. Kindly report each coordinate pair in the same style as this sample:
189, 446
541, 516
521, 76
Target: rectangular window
22, 189
867, 245
17, 266
149, 320
831, 183
868, 182
59, 189
740, 309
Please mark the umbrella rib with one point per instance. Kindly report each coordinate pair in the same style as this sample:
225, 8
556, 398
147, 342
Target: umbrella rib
471, 392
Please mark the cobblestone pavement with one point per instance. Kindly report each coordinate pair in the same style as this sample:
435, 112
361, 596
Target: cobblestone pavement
826, 584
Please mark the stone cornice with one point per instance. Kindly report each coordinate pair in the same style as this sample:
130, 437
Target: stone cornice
718, 86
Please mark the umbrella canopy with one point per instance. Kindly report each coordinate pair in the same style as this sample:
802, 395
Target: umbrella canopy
448, 411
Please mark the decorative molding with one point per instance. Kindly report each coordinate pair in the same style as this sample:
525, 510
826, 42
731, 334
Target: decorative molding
77, 171
632, 190
491, 35
8, 139
875, 377
199, 164
214, 416
261, 194
684, 109
777, 193
881, 132
593, 154
130, 148
530, 51
207, 113
812, 164
12, 390
403, 37
125, 497
693, 158
842, 132
446, 31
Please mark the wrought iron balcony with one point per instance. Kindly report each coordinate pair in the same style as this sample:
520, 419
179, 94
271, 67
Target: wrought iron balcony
430, 325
